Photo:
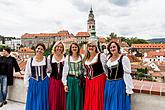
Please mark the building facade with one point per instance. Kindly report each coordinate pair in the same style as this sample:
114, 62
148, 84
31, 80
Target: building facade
30, 40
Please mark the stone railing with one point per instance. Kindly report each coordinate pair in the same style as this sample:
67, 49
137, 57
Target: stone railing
17, 92
147, 96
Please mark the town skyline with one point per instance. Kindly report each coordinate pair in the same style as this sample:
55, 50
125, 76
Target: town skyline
128, 18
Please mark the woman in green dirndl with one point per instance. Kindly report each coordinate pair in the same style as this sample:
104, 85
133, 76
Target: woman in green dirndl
72, 73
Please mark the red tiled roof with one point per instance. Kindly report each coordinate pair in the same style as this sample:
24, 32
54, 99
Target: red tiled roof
82, 34
133, 58
157, 74
151, 54
26, 50
22, 65
59, 34
148, 45
137, 66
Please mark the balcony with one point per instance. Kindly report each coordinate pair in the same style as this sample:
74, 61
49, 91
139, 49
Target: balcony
147, 96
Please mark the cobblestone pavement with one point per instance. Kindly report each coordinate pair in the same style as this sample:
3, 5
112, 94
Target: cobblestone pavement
11, 105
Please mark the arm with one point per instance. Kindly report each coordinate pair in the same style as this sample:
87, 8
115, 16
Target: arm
49, 69
65, 71
104, 61
127, 77
16, 66
27, 74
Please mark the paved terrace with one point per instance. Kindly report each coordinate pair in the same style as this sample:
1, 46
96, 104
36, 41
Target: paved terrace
12, 105
148, 95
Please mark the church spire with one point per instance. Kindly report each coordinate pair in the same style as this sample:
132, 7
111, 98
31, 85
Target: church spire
91, 23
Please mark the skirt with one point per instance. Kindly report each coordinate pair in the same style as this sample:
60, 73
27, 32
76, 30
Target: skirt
57, 99
74, 96
37, 95
115, 97
94, 93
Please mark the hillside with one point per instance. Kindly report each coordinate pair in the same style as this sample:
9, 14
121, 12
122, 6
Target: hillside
157, 40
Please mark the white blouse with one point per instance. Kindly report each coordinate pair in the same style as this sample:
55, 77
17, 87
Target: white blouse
127, 70
95, 59
66, 68
53, 61
28, 73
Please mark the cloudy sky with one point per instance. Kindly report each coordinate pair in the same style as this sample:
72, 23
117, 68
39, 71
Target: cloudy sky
130, 18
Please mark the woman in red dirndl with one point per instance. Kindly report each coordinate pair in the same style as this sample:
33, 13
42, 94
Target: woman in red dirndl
95, 78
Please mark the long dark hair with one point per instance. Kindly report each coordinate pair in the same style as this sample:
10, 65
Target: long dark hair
108, 48
70, 49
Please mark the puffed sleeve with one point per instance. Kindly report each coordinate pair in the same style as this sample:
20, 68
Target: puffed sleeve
127, 77
49, 69
28, 73
103, 59
65, 71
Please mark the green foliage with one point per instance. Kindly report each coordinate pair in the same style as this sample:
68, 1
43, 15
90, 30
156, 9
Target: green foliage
140, 74
113, 35
47, 52
130, 41
2, 46
142, 70
149, 78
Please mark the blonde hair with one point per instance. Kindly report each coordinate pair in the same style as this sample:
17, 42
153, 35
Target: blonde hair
54, 46
94, 42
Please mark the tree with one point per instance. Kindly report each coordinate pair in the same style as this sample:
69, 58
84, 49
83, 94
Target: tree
113, 35
107, 39
2, 46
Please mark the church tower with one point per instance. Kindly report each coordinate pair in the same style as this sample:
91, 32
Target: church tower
91, 24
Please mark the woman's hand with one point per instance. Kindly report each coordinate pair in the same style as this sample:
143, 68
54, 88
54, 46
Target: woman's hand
66, 88
26, 89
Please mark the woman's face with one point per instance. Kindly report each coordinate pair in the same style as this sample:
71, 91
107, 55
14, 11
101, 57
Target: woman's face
91, 48
113, 48
59, 48
74, 48
39, 50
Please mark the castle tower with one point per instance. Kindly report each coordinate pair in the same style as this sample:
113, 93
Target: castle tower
91, 24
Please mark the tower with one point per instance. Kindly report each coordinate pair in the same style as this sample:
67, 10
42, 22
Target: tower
91, 24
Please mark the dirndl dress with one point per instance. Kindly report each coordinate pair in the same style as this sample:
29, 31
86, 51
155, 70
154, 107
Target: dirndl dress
94, 88
37, 95
115, 97
74, 96
57, 96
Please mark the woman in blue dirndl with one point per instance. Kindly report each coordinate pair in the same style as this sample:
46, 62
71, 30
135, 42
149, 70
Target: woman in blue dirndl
37, 81
119, 84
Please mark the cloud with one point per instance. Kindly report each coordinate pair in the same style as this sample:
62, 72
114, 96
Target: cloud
120, 2
81, 5
139, 18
